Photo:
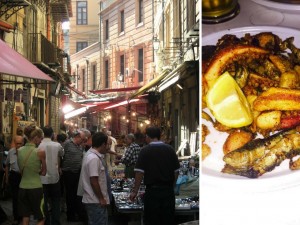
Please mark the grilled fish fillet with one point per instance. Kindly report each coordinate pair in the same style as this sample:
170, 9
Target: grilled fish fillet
278, 99
228, 55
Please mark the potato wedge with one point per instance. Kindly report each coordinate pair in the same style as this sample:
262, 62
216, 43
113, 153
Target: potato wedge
278, 99
289, 79
268, 120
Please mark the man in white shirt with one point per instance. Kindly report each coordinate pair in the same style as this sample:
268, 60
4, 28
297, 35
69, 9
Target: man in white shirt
51, 181
110, 158
95, 180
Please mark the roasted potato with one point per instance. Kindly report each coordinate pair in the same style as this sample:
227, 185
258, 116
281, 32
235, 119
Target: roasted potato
236, 139
205, 150
289, 79
268, 120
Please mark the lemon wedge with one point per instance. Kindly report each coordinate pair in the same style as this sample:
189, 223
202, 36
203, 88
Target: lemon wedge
228, 103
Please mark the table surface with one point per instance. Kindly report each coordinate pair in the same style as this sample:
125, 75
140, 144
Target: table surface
254, 14
139, 208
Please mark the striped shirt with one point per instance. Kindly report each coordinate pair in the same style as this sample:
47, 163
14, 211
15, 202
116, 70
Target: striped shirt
131, 154
72, 159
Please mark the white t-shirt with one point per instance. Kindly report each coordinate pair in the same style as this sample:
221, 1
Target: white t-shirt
113, 143
54, 151
92, 166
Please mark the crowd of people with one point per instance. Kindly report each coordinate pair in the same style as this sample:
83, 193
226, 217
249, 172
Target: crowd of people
76, 167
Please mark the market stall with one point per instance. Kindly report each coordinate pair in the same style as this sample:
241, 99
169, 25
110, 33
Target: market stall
187, 195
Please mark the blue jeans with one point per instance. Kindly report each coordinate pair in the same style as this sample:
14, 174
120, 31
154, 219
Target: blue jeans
97, 215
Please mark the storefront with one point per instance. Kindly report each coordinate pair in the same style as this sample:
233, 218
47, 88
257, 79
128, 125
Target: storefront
21, 95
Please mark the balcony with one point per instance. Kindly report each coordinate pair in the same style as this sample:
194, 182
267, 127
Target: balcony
47, 57
61, 10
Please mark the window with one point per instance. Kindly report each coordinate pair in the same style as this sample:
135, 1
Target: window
122, 21
140, 11
106, 74
83, 80
81, 45
106, 29
122, 66
94, 71
141, 64
82, 13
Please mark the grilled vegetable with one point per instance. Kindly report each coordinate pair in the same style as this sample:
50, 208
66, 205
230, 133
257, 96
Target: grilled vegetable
278, 99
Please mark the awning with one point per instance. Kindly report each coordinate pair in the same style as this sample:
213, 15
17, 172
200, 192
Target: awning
173, 77
13, 63
5, 26
114, 104
115, 90
151, 84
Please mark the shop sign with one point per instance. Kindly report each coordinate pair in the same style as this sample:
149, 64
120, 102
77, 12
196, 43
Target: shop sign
40, 93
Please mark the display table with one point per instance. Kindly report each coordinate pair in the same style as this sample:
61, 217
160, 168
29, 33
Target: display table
184, 206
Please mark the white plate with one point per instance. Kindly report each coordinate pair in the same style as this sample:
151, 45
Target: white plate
282, 7
281, 177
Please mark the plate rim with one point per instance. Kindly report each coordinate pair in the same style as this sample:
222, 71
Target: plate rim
277, 5
249, 29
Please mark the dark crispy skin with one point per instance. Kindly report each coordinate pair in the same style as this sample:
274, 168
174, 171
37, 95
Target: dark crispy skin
278, 99
285, 147
228, 55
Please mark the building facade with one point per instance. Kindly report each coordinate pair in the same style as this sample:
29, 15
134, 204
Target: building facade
35, 33
147, 69
84, 25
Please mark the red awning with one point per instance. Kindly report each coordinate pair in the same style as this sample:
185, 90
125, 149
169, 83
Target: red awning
5, 26
115, 90
13, 63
